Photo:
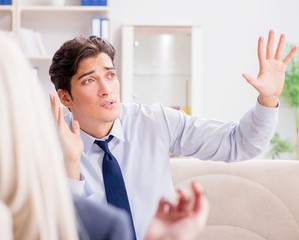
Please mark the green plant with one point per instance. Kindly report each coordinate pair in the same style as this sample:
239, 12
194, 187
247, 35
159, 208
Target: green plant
289, 96
279, 146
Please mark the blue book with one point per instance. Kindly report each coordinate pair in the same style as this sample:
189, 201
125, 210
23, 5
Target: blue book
102, 2
5, 2
93, 2
85, 2
98, 2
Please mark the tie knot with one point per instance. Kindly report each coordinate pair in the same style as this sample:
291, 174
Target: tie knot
104, 144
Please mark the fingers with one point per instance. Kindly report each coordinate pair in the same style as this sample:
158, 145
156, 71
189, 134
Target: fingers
58, 114
269, 50
261, 54
76, 127
279, 50
197, 197
161, 206
60, 117
183, 202
201, 205
187, 204
251, 80
279, 47
204, 211
181, 208
54, 106
291, 54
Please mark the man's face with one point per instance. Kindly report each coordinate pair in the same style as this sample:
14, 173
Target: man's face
95, 92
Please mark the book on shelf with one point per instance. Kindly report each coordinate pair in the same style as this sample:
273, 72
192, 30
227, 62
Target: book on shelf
105, 28
93, 2
40, 44
100, 27
5, 2
96, 26
31, 43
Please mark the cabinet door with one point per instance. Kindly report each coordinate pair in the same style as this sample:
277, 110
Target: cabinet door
162, 64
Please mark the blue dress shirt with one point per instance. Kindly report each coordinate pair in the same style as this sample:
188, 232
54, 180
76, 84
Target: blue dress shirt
144, 137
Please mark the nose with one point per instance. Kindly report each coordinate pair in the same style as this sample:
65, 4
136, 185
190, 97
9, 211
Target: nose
104, 88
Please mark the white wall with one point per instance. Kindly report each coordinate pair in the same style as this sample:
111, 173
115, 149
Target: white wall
230, 32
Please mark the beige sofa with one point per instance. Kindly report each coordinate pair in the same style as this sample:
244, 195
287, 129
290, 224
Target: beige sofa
249, 200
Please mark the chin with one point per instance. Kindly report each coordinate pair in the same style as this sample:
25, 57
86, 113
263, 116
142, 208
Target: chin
113, 115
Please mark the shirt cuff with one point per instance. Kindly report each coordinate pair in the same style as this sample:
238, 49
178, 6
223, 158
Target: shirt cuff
77, 186
266, 114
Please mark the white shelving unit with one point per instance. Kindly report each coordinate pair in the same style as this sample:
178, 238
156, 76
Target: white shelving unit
55, 25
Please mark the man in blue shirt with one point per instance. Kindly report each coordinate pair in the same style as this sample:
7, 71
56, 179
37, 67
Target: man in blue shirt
84, 76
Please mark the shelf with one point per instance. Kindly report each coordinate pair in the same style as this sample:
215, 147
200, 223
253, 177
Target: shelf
6, 8
65, 8
40, 58
41, 29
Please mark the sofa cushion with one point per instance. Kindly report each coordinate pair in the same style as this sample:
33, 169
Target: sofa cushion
254, 199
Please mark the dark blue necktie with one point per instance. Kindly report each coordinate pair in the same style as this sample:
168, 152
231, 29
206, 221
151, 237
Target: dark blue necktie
115, 188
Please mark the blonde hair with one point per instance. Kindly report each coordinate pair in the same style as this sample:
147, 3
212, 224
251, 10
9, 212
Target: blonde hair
32, 180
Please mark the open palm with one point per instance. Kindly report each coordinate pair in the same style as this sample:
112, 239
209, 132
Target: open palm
270, 80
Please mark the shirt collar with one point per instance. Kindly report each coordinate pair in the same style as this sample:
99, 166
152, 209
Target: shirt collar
116, 131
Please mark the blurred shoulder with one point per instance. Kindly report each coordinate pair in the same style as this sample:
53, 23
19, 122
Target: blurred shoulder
100, 221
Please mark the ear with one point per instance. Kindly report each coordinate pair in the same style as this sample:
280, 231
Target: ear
65, 98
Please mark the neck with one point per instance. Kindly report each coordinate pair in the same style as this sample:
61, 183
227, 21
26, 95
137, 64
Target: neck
97, 131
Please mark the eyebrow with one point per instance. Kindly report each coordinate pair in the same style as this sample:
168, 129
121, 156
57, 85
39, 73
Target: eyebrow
85, 74
92, 71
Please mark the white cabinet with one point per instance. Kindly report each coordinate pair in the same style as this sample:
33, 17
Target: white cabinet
53, 24
162, 64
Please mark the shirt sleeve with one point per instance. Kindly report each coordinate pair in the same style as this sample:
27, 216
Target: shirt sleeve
77, 186
219, 140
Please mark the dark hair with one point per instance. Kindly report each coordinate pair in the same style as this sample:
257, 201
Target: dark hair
66, 60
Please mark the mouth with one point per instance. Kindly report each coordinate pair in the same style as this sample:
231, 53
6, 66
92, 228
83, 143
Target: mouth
108, 104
